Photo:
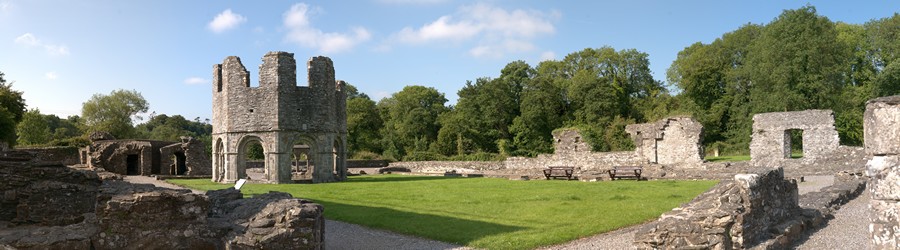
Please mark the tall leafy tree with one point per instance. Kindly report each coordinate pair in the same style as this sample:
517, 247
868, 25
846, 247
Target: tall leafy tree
363, 122
114, 112
12, 110
33, 129
410, 119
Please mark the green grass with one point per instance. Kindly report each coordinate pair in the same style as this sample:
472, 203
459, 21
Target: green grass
486, 212
730, 158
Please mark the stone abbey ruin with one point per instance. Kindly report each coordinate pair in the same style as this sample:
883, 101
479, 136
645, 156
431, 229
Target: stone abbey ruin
46, 204
283, 117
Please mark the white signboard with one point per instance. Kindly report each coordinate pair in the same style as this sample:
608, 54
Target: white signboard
239, 184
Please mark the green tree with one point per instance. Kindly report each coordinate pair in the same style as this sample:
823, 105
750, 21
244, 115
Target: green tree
363, 123
12, 110
797, 63
33, 129
114, 112
410, 116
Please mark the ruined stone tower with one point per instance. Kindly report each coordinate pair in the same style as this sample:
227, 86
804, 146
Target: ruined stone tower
281, 116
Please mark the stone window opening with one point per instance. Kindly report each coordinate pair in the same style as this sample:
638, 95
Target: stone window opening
793, 144
251, 110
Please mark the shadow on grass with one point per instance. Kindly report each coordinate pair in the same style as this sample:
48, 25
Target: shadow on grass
399, 178
442, 228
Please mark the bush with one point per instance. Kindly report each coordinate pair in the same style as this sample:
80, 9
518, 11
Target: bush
365, 155
424, 156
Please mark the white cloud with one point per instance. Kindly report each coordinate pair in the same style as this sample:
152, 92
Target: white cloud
5, 6
225, 21
195, 80
301, 31
51, 76
56, 50
27, 39
495, 30
548, 55
30, 40
412, 1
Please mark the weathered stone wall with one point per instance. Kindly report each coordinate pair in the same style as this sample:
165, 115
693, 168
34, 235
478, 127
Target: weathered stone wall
735, 214
44, 193
195, 158
881, 123
771, 143
279, 114
447, 166
51, 206
63, 155
674, 140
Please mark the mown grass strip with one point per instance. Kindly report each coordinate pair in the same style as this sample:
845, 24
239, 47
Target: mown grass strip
486, 212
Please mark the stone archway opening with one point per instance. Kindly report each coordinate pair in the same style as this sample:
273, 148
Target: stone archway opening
303, 163
251, 159
219, 160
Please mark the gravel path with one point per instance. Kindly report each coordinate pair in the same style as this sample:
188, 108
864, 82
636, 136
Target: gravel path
848, 230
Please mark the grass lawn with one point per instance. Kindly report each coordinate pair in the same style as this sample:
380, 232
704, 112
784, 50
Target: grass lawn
487, 212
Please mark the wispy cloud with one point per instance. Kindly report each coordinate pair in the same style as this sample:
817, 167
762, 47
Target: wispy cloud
29, 40
195, 80
420, 2
225, 21
51, 75
494, 30
5, 6
548, 55
301, 31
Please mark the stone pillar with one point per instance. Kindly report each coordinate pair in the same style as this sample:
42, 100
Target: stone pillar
881, 124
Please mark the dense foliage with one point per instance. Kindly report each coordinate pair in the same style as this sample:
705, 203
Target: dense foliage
800, 60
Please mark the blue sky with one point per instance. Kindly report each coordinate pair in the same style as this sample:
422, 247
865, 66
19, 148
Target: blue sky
62, 52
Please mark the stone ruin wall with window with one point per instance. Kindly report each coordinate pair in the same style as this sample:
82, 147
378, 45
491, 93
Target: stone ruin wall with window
881, 125
146, 157
278, 114
822, 153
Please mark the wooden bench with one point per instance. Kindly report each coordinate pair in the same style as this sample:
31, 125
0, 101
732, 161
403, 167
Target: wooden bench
554, 172
625, 172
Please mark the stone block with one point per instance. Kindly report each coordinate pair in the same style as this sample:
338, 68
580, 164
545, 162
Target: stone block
881, 126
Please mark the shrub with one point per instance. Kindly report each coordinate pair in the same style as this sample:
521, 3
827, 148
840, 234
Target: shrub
365, 155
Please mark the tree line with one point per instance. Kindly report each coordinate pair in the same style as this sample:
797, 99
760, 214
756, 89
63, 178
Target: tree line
800, 60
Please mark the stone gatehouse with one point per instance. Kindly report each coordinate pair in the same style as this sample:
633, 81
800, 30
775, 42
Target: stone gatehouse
281, 116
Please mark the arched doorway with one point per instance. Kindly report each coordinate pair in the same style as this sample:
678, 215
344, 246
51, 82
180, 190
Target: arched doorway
219, 160
303, 162
251, 159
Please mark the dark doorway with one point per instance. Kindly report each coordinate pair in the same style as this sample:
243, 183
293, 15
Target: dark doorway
180, 166
132, 165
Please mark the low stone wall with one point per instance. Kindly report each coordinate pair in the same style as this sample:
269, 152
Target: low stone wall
63, 155
579, 160
51, 206
366, 163
447, 166
735, 214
